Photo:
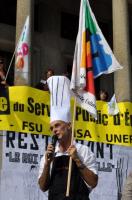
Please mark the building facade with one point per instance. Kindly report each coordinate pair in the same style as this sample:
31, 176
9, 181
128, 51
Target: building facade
53, 33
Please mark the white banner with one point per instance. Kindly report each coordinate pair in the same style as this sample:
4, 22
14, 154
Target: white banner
20, 164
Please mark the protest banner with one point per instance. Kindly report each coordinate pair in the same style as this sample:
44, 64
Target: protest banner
26, 109
20, 164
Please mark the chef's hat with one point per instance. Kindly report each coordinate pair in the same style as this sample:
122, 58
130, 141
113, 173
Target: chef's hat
59, 87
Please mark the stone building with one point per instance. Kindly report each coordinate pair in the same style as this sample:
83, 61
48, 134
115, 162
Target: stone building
54, 27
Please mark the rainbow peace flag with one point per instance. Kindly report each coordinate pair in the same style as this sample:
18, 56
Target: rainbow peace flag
92, 57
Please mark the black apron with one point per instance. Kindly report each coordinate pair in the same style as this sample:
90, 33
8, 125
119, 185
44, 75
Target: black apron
58, 183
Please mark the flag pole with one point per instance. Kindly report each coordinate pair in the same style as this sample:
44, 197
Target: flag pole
70, 160
12, 58
10, 64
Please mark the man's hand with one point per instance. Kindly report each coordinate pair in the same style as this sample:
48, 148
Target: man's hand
72, 151
49, 155
89, 176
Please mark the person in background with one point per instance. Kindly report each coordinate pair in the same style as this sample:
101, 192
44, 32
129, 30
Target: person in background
103, 95
67, 74
42, 85
49, 73
3, 82
127, 190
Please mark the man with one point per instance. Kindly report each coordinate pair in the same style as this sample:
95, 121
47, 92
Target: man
127, 190
3, 83
42, 85
103, 95
2, 72
53, 171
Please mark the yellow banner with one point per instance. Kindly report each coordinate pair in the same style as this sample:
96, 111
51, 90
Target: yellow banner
26, 109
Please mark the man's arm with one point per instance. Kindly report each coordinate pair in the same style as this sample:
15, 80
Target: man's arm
44, 179
88, 175
127, 190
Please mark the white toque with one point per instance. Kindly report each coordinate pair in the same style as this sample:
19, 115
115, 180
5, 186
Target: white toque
60, 94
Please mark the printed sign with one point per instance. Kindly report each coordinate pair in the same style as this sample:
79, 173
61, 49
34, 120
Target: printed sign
21, 156
26, 109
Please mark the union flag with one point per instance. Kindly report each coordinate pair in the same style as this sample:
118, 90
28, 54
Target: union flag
92, 57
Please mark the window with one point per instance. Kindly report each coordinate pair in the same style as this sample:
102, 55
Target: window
8, 12
69, 26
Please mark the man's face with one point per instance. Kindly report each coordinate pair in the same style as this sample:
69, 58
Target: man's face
49, 74
103, 96
60, 128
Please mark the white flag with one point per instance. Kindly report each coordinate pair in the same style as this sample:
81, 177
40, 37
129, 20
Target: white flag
113, 106
92, 57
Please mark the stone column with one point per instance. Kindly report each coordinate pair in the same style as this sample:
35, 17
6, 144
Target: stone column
24, 9
122, 78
